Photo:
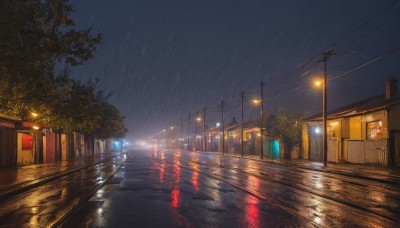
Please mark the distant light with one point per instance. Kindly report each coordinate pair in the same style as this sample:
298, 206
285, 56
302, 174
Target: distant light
172, 127
35, 127
256, 101
198, 119
317, 130
34, 114
218, 124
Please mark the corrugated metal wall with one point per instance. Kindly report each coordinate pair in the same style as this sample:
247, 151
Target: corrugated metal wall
368, 152
8, 147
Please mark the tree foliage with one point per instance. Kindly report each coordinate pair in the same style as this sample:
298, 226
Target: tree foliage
35, 37
285, 125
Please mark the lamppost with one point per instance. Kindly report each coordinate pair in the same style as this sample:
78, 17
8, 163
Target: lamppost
325, 56
173, 136
322, 83
197, 120
260, 101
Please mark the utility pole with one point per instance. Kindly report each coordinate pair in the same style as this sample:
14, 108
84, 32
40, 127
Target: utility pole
188, 135
325, 55
180, 138
262, 119
241, 132
173, 135
204, 130
195, 132
223, 127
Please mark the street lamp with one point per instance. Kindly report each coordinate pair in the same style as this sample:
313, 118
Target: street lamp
325, 55
198, 119
259, 101
322, 83
173, 136
318, 83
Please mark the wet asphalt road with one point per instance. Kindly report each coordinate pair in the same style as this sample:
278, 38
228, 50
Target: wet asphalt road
170, 189
44, 205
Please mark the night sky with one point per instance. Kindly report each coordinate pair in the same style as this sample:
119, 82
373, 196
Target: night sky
166, 58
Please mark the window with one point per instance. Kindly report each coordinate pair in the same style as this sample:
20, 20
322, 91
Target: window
374, 130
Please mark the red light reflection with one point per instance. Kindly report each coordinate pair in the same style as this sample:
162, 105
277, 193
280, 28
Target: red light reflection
175, 198
252, 207
195, 183
177, 177
252, 211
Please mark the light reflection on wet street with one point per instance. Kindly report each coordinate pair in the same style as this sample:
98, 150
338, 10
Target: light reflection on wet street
45, 205
166, 188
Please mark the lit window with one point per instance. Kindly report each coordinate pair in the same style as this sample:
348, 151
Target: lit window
374, 130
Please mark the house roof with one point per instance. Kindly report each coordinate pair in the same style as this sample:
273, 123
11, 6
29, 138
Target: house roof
371, 104
9, 119
232, 125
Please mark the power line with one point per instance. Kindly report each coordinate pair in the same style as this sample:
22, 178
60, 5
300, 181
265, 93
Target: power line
391, 52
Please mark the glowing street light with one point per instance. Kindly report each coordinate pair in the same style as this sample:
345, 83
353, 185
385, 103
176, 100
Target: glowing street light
34, 114
318, 83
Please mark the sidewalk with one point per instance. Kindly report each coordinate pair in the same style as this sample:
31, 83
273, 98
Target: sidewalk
370, 172
22, 178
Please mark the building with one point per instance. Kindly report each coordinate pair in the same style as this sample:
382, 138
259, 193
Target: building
8, 141
366, 132
232, 137
23, 143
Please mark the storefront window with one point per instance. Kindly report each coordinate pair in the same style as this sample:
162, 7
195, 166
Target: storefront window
374, 130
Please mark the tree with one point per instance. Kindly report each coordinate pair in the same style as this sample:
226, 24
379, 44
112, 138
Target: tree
285, 126
36, 35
